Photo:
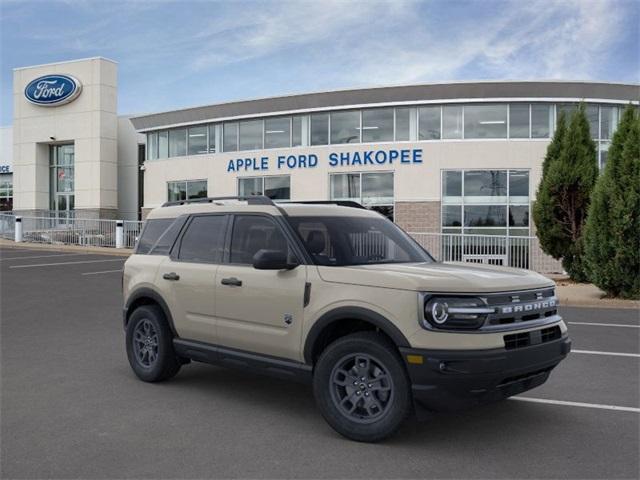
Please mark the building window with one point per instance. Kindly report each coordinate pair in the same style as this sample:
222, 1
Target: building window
277, 132
452, 121
197, 140
276, 187
374, 190
230, 137
608, 122
485, 202
320, 129
212, 138
377, 125
519, 120
163, 144
592, 112
541, 120
251, 135
429, 123
403, 124
178, 142
345, 127
152, 146
186, 190
6, 192
62, 175
296, 131
485, 121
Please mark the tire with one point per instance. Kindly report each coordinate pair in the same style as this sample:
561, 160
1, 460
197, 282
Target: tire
369, 410
149, 343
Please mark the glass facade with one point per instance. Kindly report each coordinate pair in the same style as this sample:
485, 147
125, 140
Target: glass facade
486, 202
61, 179
6, 192
186, 190
382, 124
276, 187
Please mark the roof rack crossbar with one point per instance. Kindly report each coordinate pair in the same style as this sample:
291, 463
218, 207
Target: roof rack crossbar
250, 199
340, 203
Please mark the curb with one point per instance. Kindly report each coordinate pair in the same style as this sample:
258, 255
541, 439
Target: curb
65, 248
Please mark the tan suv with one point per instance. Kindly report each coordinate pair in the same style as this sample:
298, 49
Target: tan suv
339, 296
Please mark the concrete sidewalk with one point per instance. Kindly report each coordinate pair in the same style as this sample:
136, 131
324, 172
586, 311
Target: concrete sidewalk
569, 293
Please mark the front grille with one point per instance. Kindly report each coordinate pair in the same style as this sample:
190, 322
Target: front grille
536, 337
527, 306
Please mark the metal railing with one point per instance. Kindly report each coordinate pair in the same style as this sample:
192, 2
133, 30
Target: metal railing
7, 226
518, 252
132, 229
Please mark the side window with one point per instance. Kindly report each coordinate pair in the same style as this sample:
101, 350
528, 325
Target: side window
252, 233
318, 241
168, 238
203, 241
153, 229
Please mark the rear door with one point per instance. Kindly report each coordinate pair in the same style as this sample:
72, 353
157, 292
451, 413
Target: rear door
259, 310
187, 277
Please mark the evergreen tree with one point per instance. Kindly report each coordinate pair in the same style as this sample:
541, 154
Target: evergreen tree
563, 197
612, 233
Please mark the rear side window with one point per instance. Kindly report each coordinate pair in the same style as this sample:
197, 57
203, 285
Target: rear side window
168, 238
253, 233
153, 229
203, 241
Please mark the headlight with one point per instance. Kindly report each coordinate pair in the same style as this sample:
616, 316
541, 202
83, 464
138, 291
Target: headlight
455, 312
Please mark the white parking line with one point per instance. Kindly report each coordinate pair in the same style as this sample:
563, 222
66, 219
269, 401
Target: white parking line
604, 324
42, 256
68, 263
577, 404
104, 271
614, 354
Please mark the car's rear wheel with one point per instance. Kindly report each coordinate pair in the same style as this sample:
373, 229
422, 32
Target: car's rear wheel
150, 345
361, 387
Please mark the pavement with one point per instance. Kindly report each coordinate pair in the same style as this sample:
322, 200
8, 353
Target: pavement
72, 408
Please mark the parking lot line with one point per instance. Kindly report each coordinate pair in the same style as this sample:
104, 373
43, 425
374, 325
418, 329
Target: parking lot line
614, 354
104, 271
604, 324
68, 263
42, 256
577, 404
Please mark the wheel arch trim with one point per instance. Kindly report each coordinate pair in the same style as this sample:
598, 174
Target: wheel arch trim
351, 313
151, 294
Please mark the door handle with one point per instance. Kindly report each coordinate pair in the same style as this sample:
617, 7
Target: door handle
171, 276
232, 281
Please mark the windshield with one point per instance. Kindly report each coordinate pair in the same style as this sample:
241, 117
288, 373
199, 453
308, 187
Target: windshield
344, 241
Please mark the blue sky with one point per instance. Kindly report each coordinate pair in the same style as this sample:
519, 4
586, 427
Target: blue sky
186, 53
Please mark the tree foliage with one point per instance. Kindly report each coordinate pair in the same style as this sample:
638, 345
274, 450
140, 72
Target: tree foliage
612, 233
569, 174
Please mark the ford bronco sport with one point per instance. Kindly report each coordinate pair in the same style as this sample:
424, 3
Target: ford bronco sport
338, 296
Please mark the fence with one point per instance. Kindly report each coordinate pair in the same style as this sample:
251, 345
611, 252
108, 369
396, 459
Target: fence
519, 252
71, 231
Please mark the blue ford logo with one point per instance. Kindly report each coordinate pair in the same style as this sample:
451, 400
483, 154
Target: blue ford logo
53, 90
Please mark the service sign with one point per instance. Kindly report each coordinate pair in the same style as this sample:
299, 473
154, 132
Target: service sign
5, 168
53, 90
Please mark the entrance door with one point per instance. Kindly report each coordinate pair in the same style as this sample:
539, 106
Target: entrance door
259, 310
62, 181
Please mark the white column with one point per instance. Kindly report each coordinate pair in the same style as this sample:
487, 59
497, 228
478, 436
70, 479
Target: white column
119, 234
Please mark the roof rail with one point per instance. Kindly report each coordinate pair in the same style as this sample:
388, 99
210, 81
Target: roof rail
250, 199
340, 203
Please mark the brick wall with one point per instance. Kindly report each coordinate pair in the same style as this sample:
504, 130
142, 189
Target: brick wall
418, 216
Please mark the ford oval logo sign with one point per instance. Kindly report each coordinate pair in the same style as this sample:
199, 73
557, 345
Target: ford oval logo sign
53, 90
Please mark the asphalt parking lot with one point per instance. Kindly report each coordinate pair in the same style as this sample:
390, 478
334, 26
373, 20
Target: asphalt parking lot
71, 407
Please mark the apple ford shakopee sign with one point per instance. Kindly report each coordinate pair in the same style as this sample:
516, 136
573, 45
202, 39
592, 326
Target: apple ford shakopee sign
53, 90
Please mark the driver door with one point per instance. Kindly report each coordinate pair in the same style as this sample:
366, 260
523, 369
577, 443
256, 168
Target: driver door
259, 310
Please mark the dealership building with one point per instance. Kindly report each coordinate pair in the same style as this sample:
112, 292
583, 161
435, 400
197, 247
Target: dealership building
449, 157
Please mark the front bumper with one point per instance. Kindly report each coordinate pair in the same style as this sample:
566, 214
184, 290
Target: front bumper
448, 380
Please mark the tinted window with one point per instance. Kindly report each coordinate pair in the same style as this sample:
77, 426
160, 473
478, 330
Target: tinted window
320, 129
178, 142
485, 121
377, 125
343, 241
252, 233
345, 127
429, 123
519, 120
168, 238
151, 233
277, 132
452, 121
204, 239
251, 135
403, 123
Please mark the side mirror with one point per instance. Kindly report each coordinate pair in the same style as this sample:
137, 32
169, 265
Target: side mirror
272, 260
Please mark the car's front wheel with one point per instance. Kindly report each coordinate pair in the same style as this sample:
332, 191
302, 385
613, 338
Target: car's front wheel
361, 387
150, 345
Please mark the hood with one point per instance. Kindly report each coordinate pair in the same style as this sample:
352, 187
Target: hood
448, 277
